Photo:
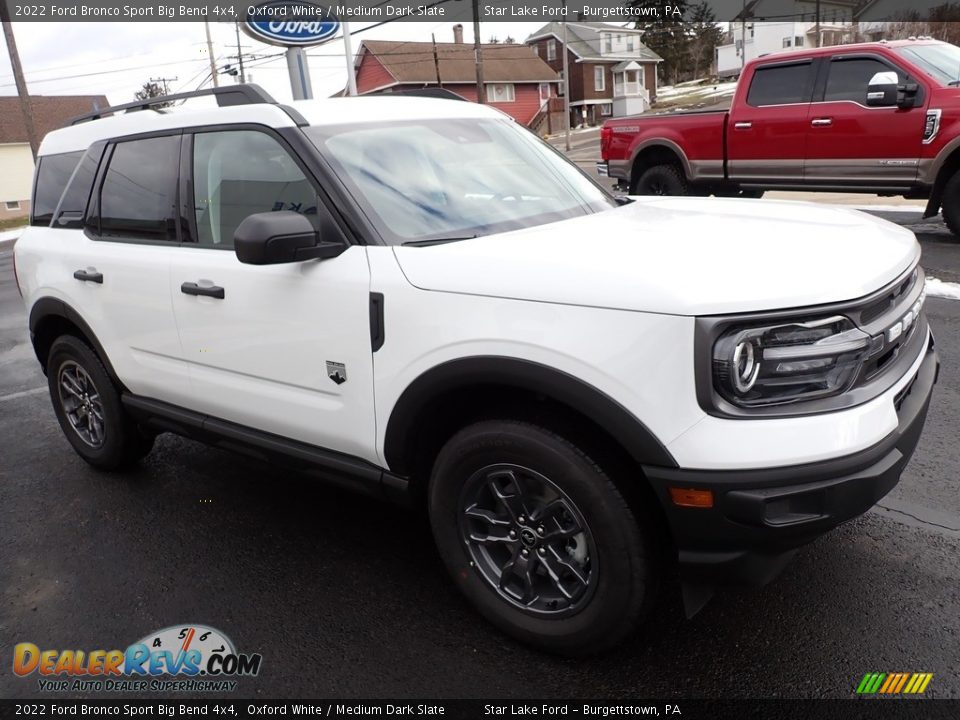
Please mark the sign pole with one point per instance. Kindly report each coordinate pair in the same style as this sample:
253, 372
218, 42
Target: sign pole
348, 52
299, 70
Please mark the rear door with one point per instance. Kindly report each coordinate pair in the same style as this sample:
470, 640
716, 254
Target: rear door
285, 348
115, 270
849, 143
767, 131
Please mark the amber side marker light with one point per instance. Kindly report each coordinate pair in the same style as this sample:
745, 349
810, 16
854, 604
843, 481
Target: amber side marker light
689, 497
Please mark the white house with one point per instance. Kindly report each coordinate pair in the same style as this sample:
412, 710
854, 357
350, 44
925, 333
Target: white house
766, 26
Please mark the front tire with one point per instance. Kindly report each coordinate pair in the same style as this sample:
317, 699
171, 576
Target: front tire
88, 408
950, 205
539, 538
661, 180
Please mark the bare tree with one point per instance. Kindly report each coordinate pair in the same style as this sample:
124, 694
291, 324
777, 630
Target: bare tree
150, 90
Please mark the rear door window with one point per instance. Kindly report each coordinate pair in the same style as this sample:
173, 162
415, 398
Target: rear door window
781, 85
138, 197
53, 174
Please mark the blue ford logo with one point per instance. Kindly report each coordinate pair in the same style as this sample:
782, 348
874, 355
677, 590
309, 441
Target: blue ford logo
291, 23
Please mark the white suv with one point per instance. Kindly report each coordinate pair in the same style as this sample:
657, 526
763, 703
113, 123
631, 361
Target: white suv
419, 299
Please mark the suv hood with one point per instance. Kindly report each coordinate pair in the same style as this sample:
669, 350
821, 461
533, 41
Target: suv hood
683, 256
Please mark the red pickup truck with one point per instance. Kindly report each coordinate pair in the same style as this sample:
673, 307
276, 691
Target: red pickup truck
881, 118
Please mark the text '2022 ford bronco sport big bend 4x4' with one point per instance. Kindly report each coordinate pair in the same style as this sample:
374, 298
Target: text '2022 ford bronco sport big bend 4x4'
420, 299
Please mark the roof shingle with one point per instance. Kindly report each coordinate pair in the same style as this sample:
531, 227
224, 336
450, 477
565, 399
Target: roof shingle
49, 113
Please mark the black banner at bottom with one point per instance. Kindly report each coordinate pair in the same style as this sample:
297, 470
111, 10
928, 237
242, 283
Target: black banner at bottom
863, 709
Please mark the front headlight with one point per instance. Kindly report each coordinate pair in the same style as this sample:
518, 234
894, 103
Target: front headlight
788, 362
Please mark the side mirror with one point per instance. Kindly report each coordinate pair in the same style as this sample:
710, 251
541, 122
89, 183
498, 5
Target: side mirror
907, 95
882, 90
271, 238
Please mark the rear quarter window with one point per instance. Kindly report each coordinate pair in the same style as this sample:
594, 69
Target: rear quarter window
781, 85
53, 174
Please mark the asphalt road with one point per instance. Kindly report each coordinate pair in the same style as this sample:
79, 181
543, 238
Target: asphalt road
346, 597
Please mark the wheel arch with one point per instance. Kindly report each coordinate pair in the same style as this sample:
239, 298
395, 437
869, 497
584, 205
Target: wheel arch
448, 396
947, 167
660, 151
50, 318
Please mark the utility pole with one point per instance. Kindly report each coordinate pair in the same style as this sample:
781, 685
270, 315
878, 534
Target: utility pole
566, 83
743, 36
164, 80
213, 61
436, 59
25, 105
243, 75
478, 53
816, 26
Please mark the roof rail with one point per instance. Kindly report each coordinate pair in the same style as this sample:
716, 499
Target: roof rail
248, 94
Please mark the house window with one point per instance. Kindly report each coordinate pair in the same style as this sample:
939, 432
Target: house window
798, 41
562, 87
608, 43
787, 42
500, 93
551, 50
599, 78
606, 109
630, 46
13, 204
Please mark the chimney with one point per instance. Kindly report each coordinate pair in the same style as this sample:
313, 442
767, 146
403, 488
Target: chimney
458, 34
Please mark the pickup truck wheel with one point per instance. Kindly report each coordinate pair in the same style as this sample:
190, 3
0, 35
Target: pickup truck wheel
950, 205
539, 538
87, 406
661, 180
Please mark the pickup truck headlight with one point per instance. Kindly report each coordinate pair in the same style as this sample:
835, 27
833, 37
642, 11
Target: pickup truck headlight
789, 361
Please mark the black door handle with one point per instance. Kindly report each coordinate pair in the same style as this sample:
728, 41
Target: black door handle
89, 276
191, 288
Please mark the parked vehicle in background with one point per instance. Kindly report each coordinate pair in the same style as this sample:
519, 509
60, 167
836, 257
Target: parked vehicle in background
420, 300
878, 118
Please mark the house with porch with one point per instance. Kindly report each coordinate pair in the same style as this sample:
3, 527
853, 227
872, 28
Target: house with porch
612, 73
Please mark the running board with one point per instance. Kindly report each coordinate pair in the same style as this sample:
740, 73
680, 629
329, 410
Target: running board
344, 471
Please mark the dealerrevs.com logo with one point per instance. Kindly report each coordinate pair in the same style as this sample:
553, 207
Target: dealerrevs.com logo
176, 659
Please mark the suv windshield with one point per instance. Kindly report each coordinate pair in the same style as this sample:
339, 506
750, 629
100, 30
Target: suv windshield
429, 179
941, 61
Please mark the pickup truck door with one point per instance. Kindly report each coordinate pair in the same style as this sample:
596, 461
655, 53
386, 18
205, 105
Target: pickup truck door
767, 128
281, 348
849, 143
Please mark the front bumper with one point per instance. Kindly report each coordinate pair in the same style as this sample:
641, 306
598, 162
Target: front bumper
760, 517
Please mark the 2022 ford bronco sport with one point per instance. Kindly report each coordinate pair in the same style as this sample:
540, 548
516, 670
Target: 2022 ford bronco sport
419, 299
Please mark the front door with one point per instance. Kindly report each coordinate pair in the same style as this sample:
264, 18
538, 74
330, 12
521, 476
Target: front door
767, 133
851, 143
283, 348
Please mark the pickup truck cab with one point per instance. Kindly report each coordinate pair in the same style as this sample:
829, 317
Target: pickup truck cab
420, 300
879, 117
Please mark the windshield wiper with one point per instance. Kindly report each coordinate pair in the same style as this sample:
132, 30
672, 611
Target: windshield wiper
437, 241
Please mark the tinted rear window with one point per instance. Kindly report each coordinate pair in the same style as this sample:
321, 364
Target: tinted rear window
74, 201
780, 85
53, 173
138, 197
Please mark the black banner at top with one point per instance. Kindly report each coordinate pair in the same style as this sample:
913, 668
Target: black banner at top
533, 11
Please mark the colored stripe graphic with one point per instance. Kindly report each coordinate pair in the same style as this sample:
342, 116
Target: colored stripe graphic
894, 683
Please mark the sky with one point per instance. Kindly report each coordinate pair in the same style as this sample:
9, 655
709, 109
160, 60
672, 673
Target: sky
116, 58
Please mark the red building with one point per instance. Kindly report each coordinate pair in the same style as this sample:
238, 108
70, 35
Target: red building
516, 80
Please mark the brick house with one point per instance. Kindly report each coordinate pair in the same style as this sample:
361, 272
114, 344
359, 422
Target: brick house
16, 160
612, 73
516, 80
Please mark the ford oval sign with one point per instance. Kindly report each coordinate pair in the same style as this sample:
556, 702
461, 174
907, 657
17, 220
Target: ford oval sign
291, 23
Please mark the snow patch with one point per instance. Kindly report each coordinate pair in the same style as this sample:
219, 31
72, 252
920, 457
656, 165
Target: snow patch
938, 288
11, 234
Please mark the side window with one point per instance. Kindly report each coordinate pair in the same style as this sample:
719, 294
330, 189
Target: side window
237, 173
781, 84
848, 79
72, 205
53, 174
138, 198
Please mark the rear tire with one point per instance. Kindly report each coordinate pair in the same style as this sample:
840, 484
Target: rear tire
950, 205
539, 539
661, 180
88, 407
